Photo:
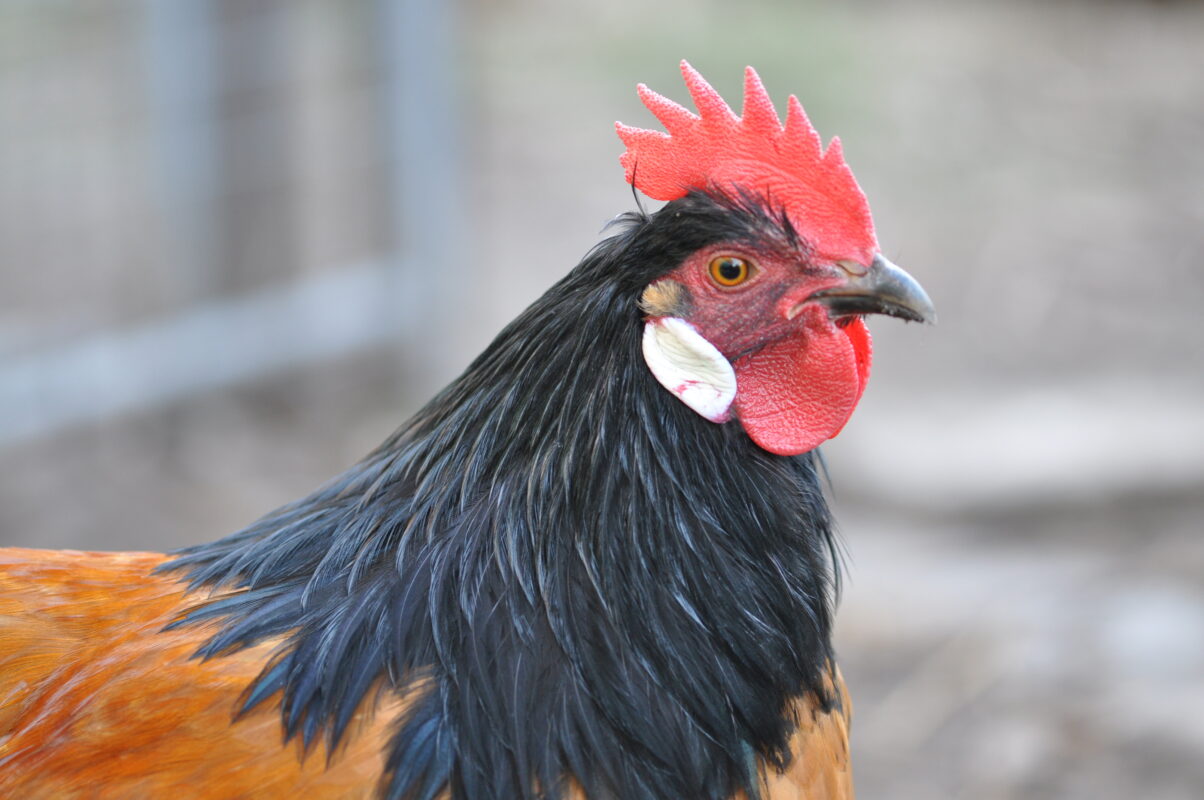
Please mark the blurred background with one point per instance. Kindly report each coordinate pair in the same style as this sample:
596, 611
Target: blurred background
240, 241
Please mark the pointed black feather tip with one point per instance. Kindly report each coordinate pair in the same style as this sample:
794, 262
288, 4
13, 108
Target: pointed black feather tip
420, 765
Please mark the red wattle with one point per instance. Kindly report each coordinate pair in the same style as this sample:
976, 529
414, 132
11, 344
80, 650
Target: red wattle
798, 392
863, 350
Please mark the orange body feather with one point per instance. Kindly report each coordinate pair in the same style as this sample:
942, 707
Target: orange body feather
98, 701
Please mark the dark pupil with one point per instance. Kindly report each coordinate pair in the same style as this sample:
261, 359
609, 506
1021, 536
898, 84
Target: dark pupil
730, 269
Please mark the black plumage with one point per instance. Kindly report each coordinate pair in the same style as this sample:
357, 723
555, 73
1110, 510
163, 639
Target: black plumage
573, 574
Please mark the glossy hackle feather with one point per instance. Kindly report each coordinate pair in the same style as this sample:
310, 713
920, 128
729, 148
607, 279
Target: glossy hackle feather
555, 581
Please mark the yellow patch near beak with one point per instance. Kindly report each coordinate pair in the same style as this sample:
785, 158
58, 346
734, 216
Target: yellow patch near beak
666, 298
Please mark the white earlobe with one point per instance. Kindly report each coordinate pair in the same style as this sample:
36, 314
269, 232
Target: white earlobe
690, 367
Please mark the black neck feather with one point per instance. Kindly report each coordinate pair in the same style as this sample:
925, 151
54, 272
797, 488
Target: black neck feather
583, 577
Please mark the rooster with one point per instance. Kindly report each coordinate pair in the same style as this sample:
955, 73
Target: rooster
599, 564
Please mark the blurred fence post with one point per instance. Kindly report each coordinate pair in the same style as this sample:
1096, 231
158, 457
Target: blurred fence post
430, 256
215, 333
179, 47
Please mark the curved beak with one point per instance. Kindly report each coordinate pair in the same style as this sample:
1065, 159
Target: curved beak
881, 289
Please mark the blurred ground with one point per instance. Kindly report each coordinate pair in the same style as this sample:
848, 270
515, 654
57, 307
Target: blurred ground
1022, 490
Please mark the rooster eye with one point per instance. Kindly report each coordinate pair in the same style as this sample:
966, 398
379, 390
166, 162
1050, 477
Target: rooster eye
730, 270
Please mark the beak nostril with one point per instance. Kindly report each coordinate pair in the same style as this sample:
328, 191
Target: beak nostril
853, 268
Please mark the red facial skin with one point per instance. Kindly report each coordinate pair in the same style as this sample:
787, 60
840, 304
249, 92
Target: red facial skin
799, 374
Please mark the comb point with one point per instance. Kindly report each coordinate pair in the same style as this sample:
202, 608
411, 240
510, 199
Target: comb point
675, 118
710, 105
835, 152
758, 112
799, 128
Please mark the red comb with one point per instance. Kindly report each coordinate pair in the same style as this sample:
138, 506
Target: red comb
787, 165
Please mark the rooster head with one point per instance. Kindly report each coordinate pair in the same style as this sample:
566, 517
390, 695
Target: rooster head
765, 325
